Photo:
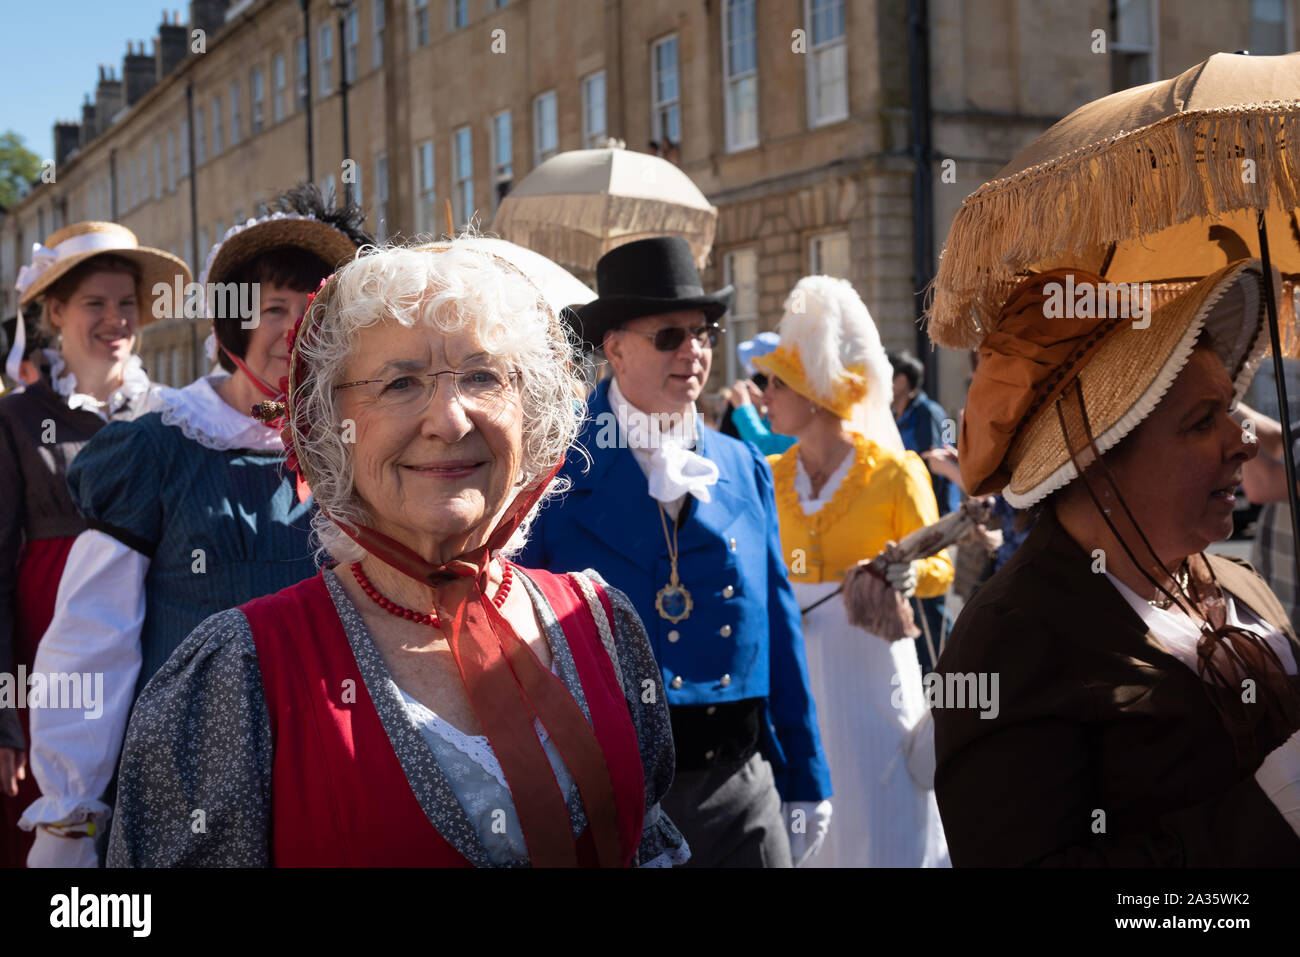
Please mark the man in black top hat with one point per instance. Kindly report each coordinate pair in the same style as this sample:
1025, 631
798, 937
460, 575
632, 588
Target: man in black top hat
682, 519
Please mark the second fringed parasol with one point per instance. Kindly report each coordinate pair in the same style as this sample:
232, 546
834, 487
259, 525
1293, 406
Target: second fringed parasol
1162, 183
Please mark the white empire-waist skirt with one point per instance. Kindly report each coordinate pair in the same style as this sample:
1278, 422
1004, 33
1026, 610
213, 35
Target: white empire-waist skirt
869, 700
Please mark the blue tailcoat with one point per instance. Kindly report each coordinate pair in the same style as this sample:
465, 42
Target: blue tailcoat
743, 638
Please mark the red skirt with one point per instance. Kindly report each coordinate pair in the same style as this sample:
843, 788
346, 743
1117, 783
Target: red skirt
40, 566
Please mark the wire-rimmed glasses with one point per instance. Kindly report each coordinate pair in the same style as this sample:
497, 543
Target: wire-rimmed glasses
483, 387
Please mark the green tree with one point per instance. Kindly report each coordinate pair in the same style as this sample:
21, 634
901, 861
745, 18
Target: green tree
18, 167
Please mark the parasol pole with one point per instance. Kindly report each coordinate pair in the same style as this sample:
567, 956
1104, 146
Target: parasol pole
1279, 376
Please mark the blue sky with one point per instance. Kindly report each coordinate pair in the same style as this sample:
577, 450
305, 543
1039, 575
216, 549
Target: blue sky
50, 51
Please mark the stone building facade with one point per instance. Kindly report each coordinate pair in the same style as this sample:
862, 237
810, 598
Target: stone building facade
797, 118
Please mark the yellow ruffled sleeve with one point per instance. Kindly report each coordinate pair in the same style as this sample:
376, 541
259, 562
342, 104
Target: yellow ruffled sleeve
915, 507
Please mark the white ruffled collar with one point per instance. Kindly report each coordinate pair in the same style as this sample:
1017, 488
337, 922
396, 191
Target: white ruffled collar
644, 432
203, 416
665, 451
132, 396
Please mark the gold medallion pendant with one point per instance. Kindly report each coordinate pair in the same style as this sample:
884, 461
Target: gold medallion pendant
673, 601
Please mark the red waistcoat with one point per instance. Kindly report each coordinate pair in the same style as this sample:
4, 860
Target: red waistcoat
339, 796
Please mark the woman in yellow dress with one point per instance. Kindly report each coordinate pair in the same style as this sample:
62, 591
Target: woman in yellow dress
843, 491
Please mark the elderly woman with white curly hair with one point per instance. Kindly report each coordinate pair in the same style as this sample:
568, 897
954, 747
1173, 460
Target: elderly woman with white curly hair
423, 702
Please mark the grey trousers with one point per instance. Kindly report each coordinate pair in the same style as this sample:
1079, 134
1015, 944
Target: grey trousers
730, 816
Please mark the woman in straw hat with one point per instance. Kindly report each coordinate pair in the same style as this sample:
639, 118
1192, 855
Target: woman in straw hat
1148, 698
93, 284
843, 492
424, 702
190, 511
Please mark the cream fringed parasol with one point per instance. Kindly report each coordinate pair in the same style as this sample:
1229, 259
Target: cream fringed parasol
577, 206
1159, 183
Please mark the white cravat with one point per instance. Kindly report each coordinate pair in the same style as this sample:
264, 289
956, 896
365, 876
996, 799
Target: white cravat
664, 453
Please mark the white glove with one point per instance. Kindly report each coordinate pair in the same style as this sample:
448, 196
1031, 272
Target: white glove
807, 823
50, 850
902, 577
1278, 776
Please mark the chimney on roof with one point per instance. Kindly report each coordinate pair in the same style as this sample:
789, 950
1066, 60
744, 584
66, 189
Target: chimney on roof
87, 131
67, 137
137, 73
171, 46
208, 16
108, 98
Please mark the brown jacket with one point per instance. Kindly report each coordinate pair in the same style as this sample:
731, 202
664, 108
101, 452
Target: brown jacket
1105, 750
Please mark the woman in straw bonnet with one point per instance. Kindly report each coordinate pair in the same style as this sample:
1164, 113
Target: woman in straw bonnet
1148, 693
190, 511
424, 702
93, 282
843, 492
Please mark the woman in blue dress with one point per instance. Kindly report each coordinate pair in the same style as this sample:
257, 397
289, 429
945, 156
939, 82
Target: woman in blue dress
189, 509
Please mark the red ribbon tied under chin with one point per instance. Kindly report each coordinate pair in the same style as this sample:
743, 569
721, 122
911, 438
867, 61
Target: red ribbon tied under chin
509, 688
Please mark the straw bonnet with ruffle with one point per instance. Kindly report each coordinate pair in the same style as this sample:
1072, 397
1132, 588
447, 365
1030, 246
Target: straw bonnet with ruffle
69, 247
1011, 440
301, 219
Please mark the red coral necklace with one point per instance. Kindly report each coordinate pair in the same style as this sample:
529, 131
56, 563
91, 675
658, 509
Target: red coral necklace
507, 576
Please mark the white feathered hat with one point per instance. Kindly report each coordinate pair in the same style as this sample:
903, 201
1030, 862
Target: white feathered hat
831, 354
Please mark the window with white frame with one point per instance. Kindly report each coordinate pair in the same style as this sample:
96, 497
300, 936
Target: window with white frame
303, 91
1133, 47
278, 90
171, 161
740, 73
325, 66
157, 170
462, 170
234, 112
828, 254
200, 136
503, 157
351, 183
256, 100
377, 25
545, 127
351, 45
420, 23
593, 110
217, 126
665, 93
828, 77
184, 147
740, 269
425, 214
1269, 35
381, 197
457, 14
